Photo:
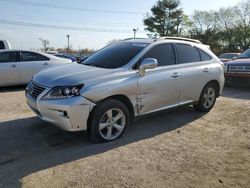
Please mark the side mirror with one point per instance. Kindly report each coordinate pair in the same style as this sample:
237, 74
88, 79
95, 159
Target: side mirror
148, 63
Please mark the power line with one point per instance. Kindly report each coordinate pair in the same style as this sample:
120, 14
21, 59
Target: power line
72, 8
60, 27
64, 20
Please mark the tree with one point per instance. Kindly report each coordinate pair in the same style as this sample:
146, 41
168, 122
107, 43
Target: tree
165, 18
226, 21
204, 28
113, 41
45, 44
243, 24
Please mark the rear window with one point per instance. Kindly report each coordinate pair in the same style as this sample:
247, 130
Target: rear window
31, 56
204, 55
227, 56
115, 55
187, 53
2, 45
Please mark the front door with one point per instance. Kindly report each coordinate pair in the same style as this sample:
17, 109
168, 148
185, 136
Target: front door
9, 68
160, 87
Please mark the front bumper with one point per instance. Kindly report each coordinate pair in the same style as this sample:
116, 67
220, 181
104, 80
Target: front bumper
238, 78
68, 114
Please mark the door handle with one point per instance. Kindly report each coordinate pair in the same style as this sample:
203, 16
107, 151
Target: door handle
45, 63
13, 66
206, 70
175, 75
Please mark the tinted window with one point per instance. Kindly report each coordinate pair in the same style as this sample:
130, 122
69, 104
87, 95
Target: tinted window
31, 56
204, 56
164, 54
115, 55
2, 45
8, 57
187, 54
228, 56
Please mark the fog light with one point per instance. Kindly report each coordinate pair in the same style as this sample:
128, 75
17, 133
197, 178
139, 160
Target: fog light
64, 114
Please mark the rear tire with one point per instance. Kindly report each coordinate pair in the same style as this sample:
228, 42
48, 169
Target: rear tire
108, 121
207, 98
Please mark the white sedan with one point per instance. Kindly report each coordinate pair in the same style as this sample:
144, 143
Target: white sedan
18, 66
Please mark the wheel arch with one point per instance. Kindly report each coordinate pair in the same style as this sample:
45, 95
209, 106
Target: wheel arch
122, 98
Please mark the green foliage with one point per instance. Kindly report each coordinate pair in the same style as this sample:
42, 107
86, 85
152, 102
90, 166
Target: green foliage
225, 30
165, 19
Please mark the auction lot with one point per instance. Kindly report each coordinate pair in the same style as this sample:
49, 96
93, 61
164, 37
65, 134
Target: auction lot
178, 148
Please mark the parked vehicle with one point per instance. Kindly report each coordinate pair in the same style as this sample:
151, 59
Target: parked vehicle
228, 57
4, 44
238, 71
18, 66
65, 56
52, 52
124, 80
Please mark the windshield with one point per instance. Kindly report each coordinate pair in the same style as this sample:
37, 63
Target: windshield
245, 54
115, 55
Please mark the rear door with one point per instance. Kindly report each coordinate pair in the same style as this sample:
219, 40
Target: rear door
9, 68
32, 63
195, 68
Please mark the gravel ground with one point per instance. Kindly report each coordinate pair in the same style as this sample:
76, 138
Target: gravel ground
177, 148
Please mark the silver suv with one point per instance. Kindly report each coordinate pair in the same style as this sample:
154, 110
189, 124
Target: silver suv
124, 80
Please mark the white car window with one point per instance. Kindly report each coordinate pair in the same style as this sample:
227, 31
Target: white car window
8, 57
31, 56
187, 53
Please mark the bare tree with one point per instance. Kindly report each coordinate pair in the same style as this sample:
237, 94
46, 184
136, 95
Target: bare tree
45, 44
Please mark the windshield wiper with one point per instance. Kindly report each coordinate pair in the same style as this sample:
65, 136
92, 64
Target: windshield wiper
91, 64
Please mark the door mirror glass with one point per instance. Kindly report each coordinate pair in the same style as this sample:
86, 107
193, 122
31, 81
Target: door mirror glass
148, 63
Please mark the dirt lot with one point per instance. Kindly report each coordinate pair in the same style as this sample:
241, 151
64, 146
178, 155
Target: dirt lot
179, 148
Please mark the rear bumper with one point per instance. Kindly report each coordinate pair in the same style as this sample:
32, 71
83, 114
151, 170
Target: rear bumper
68, 114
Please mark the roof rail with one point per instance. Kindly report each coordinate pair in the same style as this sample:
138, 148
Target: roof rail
180, 38
133, 38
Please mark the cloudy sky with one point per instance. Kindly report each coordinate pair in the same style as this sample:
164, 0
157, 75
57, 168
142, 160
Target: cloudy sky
90, 24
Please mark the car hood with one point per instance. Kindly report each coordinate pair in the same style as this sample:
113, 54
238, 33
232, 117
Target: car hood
239, 61
69, 74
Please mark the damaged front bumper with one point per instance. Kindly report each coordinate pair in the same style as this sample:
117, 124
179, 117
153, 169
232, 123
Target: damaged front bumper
68, 114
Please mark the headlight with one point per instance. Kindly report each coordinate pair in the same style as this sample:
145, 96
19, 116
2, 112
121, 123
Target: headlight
63, 92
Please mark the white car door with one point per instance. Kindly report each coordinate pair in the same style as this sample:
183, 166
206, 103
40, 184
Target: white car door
195, 66
9, 68
32, 63
159, 88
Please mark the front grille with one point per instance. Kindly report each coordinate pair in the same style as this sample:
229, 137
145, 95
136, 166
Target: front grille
36, 90
239, 68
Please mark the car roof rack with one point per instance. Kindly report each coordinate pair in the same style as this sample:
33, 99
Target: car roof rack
180, 38
133, 38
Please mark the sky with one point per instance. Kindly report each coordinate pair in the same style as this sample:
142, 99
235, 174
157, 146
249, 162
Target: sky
90, 24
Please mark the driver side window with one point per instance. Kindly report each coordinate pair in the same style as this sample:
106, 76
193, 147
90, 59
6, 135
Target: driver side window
164, 53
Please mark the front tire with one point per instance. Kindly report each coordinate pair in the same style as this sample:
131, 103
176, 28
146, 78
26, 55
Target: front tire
207, 98
108, 121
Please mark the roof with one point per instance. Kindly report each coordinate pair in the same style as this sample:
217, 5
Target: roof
149, 40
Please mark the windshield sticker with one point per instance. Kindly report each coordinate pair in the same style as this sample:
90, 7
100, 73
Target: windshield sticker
139, 45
